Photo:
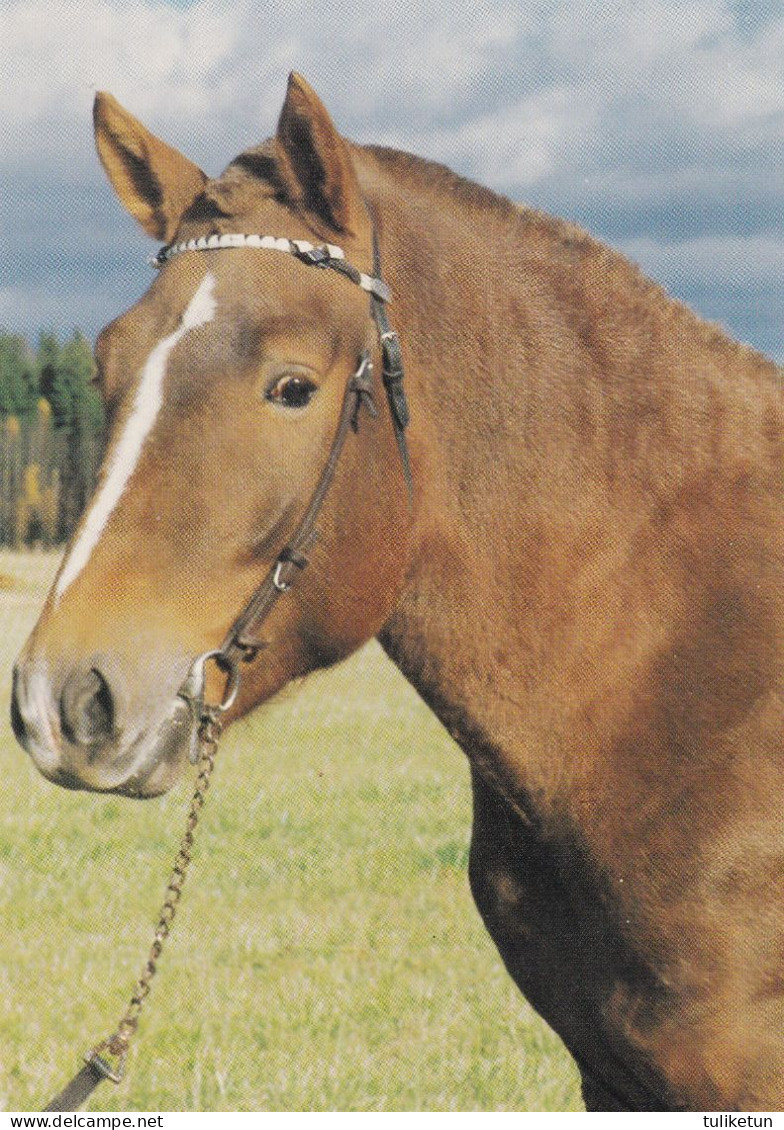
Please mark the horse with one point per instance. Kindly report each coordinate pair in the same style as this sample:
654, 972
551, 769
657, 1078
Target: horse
573, 553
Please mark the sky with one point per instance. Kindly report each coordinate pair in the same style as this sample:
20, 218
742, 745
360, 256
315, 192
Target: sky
658, 125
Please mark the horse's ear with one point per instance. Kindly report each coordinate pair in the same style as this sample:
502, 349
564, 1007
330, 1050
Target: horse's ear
153, 181
314, 161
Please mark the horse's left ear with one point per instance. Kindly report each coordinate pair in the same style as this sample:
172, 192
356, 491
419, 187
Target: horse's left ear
314, 161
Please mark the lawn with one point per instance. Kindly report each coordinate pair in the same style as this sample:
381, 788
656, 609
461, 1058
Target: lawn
327, 955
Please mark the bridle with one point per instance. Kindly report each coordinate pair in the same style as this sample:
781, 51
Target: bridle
242, 642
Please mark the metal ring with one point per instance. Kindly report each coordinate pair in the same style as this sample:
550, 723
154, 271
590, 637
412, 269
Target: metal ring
228, 667
103, 1066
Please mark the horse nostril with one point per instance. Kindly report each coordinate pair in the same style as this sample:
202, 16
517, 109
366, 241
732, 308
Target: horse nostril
87, 708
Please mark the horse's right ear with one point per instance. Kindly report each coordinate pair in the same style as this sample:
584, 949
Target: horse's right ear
153, 181
314, 162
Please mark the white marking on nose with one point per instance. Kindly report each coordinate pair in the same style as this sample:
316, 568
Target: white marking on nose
147, 405
34, 700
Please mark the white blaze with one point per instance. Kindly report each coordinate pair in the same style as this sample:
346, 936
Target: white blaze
147, 405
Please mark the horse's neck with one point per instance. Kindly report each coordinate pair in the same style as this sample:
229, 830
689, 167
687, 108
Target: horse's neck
483, 369
561, 406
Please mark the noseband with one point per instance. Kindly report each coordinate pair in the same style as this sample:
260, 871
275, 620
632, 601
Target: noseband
242, 642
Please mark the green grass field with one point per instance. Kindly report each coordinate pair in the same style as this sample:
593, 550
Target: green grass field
327, 955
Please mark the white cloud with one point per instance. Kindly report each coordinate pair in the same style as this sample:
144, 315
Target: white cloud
162, 60
547, 79
533, 139
657, 112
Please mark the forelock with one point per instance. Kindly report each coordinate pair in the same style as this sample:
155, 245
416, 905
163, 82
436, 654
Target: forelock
250, 177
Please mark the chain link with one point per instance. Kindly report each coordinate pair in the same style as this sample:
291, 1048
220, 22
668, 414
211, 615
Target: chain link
116, 1045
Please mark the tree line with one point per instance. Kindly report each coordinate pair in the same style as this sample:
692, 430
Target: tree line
51, 437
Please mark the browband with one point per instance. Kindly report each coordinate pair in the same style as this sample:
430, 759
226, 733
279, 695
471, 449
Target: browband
323, 255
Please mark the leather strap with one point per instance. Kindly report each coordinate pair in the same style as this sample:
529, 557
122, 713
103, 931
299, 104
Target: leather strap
241, 641
78, 1090
392, 373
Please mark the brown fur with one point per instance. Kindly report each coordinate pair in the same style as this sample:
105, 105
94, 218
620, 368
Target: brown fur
588, 592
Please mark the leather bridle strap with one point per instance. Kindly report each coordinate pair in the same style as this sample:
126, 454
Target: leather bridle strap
79, 1089
241, 641
392, 372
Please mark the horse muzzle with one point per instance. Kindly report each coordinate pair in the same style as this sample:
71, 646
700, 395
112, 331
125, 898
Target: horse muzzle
79, 732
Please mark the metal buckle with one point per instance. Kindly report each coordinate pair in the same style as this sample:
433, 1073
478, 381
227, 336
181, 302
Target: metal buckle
192, 692
364, 371
281, 586
117, 1048
315, 257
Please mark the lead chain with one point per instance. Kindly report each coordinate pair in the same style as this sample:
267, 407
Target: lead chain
116, 1045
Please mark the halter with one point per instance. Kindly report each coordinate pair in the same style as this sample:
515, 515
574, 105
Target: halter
242, 643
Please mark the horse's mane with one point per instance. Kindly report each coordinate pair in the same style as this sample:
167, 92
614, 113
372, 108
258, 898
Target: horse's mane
443, 181
256, 168
258, 165
561, 240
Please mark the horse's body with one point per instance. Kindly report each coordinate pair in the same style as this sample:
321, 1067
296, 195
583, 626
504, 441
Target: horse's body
587, 590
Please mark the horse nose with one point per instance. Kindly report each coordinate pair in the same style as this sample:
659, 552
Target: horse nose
18, 724
34, 713
87, 708
81, 720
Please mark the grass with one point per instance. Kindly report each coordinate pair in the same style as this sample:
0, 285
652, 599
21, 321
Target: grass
327, 955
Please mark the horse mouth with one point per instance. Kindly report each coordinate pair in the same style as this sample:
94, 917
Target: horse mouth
147, 768
138, 790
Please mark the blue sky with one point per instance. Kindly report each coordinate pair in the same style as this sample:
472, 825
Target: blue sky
657, 125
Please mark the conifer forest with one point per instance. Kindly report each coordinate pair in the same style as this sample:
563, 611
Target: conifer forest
51, 435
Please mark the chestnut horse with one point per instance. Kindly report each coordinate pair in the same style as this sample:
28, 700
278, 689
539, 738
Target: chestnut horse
585, 584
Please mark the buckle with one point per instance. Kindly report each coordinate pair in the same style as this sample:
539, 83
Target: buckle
192, 692
287, 556
315, 257
380, 290
114, 1046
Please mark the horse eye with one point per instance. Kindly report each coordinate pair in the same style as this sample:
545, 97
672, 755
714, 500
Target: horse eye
292, 391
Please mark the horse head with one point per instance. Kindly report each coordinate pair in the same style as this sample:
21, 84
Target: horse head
223, 386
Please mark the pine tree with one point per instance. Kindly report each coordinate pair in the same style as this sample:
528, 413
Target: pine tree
51, 436
46, 359
18, 381
78, 413
66, 376
10, 476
